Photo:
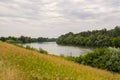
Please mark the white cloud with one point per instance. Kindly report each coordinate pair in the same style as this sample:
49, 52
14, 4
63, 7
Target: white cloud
52, 18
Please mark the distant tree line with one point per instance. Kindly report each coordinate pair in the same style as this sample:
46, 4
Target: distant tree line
95, 38
24, 39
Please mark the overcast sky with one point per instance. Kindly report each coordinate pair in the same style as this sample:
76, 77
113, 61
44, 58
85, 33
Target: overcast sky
51, 18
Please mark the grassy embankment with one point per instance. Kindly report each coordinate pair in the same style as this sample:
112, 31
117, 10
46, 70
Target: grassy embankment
21, 64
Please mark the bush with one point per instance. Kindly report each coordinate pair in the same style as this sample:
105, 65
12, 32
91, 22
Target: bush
104, 58
30, 48
113, 61
43, 51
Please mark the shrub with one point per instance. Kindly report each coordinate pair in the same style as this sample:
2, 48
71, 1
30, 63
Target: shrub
30, 48
43, 51
104, 58
113, 61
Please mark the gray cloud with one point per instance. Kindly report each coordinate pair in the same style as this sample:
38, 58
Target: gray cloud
52, 18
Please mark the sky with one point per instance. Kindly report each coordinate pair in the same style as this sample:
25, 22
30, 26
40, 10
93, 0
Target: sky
52, 18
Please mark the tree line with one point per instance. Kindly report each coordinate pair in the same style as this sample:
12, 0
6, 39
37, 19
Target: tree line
95, 38
24, 39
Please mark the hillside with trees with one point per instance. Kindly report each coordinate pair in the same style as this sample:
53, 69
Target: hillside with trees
95, 38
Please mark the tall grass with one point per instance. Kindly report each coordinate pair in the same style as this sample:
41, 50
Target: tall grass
31, 65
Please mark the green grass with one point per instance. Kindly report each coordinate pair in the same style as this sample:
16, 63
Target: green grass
21, 64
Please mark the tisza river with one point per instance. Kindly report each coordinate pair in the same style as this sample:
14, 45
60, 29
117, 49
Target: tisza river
53, 48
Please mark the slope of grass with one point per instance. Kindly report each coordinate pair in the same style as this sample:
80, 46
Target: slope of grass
20, 64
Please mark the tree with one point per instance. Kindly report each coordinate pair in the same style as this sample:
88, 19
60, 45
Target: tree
95, 38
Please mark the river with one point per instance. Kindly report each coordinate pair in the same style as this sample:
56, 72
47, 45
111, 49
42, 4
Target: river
56, 49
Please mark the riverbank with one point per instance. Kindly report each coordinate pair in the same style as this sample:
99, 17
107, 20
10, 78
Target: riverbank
20, 64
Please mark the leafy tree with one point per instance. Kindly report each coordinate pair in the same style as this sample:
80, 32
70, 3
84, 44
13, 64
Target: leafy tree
95, 38
2, 38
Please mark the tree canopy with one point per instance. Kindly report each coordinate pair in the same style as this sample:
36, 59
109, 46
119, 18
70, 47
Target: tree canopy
24, 39
97, 38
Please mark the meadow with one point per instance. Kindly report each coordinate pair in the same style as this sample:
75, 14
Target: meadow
18, 63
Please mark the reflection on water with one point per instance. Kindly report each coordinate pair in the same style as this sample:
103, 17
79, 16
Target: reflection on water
56, 49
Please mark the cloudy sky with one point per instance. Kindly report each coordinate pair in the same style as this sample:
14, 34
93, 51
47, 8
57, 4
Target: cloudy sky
51, 18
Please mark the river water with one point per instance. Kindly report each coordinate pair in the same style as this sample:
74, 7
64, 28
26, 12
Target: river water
56, 49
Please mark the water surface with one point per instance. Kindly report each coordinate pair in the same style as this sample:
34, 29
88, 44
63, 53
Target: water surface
56, 49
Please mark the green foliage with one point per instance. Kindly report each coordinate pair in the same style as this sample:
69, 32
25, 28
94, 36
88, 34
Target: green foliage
96, 38
23, 39
43, 51
104, 58
116, 41
2, 38
30, 48
113, 62
13, 41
